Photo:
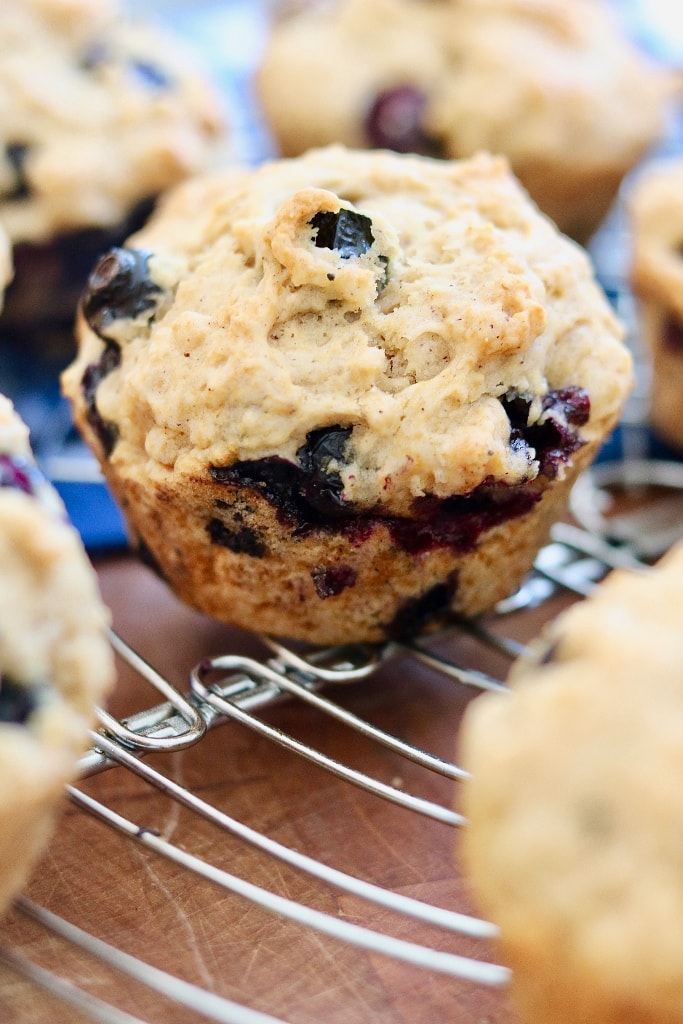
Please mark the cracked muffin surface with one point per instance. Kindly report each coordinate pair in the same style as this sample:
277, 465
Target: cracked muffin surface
365, 362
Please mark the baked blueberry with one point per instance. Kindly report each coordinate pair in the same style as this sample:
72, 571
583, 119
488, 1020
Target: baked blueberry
243, 540
16, 153
275, 478
418, 613
18, 473
458, 522
119, 286
348, 232
309, 491
320, 459
332, 579
552, 438
17, 703
395, 121
106, 431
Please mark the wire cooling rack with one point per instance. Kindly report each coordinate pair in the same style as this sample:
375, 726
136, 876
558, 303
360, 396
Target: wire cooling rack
185, 884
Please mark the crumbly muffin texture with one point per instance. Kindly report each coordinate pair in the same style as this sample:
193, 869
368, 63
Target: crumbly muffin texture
575, 811
556, 87
55, 660
97, 114
338, 374
655, 207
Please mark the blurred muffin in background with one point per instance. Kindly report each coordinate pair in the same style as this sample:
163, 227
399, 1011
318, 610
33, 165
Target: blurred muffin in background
98, 115
655, 208
558, 88
56, 664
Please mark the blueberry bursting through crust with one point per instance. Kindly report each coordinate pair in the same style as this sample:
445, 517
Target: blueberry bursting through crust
308, 495
349, 233
119, 287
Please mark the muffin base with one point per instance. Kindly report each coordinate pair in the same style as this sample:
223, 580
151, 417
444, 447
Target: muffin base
327, 585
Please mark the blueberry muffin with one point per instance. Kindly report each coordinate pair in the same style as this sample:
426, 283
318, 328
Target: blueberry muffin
99, 116
655, 207
556, 87
575, 808
55, 660
343, 395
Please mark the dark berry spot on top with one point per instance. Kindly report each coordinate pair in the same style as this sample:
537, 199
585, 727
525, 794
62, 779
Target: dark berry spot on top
16, 153
332, 580
106, 431
348, 232
17, 703
553, 437
418, 614
150, 75
119, 286
320, 459
395, 121
20, 474
243, 540
672, 335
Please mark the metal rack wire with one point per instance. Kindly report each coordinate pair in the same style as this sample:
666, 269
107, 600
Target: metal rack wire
234, 688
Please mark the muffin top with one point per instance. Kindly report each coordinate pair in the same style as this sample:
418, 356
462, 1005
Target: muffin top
97, 114
655, 207
533, 79
55, 659
418, 317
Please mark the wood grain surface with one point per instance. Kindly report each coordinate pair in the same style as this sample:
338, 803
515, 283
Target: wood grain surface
126, 894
